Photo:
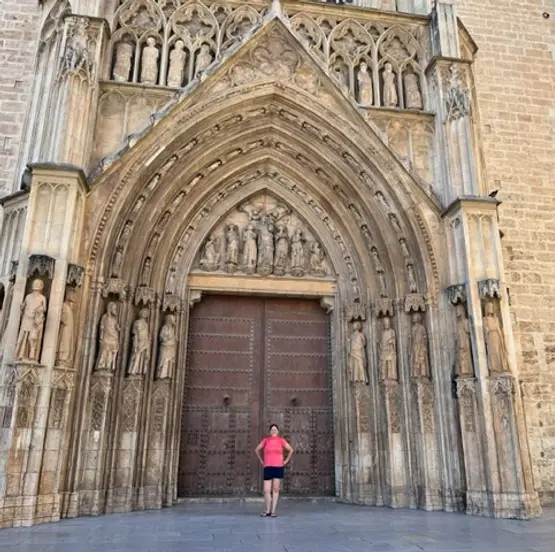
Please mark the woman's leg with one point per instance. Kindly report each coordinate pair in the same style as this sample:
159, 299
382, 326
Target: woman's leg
275, 497
268, 494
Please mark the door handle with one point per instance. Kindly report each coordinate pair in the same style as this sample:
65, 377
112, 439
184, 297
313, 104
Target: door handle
227, 400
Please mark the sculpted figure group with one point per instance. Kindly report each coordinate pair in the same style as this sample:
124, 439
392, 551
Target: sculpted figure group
149, 63
387, 351
139, 359
265, 246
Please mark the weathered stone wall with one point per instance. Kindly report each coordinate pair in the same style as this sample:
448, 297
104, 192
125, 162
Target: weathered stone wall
515, 81
19, 31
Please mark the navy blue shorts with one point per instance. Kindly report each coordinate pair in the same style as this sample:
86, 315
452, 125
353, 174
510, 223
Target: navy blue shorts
272, 472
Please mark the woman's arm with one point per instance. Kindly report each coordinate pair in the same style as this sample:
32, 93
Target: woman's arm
289, 450
257, 451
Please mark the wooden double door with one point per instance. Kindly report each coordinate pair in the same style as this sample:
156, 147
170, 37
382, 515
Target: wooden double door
251, 362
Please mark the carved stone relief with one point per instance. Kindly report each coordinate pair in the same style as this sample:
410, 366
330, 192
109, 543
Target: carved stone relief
79, 49
457, 96
263, 236
33, 312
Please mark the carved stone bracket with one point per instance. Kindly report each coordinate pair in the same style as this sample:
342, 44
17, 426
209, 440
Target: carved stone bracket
41, 265
145, 296
328, 304
490, 289
172, 303
384, 307
75, 275
457, 294
115, 286
357, 311
13, 271
415, 302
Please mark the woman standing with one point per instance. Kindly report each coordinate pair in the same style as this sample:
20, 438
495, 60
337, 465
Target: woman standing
273, 467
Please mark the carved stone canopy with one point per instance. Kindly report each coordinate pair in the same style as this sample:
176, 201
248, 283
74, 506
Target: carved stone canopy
490, 289
41, 265
457, 294
75, 275
415, 302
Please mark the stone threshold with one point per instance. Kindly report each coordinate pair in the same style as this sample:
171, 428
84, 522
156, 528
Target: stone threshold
254, 499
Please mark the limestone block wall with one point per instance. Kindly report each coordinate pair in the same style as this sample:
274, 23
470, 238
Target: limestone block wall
19, 31
515, 82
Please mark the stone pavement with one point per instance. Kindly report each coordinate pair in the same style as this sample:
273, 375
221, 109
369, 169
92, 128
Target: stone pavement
301, 527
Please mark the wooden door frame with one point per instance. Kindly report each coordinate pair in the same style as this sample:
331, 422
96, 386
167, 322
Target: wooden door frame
323, 290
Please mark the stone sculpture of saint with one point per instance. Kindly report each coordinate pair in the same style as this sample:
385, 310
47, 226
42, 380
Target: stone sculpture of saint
317, 260
357, 355
109, 339
265, 247
411, 277
419, 348
232, 247
495, 342
365, 86
145, 273
177, 65
413, 97
117, 263
64, 354
297, 253
380, 271
388, 352
122, 66
211, 258
140, 352
33, 311
464, 347
149, 62
390, 98
282, 250
170, 283
250, 249
204, 59
168, 348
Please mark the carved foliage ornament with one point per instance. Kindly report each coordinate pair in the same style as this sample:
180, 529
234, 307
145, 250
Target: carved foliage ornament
78, 52
457, 96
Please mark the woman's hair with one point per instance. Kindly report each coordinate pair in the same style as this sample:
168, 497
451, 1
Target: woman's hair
274, 425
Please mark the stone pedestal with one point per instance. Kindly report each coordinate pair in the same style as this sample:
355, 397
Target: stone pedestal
395, 494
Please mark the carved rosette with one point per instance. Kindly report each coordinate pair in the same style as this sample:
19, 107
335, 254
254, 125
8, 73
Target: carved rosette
41, 266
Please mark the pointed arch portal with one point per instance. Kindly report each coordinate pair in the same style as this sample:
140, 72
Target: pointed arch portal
263, 188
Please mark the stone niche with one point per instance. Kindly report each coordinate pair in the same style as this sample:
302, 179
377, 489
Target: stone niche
263, 236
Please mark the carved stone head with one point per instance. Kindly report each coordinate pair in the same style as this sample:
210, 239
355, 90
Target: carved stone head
38, 285
112, 308
144, 314
489, 310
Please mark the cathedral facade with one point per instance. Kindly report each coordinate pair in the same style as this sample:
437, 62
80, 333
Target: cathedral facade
225, 214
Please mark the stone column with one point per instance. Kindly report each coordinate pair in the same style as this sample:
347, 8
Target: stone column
499, 478
57, 193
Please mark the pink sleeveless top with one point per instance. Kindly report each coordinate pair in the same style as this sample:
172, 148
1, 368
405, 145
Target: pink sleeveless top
273, 451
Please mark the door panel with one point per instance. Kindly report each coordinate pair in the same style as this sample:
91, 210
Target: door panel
252, 360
